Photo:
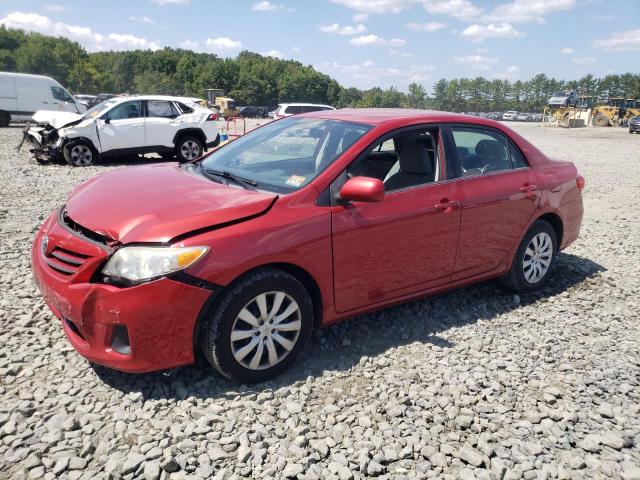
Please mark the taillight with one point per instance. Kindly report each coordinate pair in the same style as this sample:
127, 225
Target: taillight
212, 117
580, 182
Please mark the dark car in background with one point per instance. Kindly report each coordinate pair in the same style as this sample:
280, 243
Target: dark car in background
250, 112
634, 124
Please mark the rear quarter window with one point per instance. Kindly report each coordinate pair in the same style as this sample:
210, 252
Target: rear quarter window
184, 108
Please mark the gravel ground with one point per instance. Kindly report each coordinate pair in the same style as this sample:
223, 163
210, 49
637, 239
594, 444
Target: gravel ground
475, 383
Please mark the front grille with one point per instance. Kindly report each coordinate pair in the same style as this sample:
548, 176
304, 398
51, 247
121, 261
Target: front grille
83, 232
65, 261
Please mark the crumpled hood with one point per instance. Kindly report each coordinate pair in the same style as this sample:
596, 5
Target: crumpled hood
54, 118
156, 203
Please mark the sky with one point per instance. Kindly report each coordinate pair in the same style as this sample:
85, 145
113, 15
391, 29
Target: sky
364, 43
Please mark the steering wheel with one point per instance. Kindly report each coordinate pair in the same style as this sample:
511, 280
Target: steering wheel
485, 168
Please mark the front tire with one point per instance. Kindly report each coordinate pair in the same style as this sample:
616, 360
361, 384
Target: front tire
80, 153
188, 148
259, 326
534, 259
600, 120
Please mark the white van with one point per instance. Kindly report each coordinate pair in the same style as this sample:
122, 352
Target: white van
21, 95
288, 109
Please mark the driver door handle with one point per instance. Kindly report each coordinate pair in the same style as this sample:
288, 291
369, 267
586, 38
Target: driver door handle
446, 206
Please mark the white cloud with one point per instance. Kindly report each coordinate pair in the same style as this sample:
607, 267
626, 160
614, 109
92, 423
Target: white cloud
212, 45
190, 45
523, 11
426, 27
476, 62
566, 51
55, 8
145, 19
360, 17
398, 53
296, 48
583, 60
222, 43
368, 74
461, 9
266, 6
374, 40
344, 30
91, 40
493, 30
274, 53
170, 2
628, 41
376, 6
510, 73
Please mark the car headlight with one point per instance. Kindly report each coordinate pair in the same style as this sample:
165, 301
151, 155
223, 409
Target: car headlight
138, 264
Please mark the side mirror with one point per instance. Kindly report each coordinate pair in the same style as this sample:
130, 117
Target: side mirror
107, 120
362, 189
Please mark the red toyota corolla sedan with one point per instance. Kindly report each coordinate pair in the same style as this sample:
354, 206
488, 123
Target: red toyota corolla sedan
296, 225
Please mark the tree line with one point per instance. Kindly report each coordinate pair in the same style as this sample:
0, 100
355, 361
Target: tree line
253, 79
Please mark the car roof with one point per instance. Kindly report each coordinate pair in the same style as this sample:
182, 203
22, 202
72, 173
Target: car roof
377, 116
169, 98
305, 105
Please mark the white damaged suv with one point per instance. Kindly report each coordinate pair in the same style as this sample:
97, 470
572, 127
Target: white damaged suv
124, 126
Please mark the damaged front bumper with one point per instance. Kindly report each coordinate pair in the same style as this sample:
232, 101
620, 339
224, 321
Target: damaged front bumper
43, 142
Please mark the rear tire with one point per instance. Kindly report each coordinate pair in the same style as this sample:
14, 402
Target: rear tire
258, 327
534, 259
80, 153
5, 118
188, 148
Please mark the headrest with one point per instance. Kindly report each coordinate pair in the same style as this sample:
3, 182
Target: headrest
491, 148
414, 158
349, 138
387, 157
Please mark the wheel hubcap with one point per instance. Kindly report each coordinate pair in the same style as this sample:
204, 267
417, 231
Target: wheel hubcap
81, 155
537, 257
266, 330
190, 150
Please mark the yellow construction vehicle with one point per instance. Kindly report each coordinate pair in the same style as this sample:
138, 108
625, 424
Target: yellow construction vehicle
571, 116
614, 111
224, 106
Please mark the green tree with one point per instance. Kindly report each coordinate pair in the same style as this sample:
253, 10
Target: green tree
417, 96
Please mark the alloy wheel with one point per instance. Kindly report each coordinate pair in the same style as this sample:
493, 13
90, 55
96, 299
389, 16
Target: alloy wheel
81, 155
266, 330
190, 150
537, 257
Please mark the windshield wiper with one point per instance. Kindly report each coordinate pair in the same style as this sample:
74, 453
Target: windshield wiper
246, 183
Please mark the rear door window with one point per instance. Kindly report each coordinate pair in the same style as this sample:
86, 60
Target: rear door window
480, 150
160, 108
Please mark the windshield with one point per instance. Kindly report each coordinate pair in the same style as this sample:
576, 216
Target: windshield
98, 109
560, 94
286, 155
